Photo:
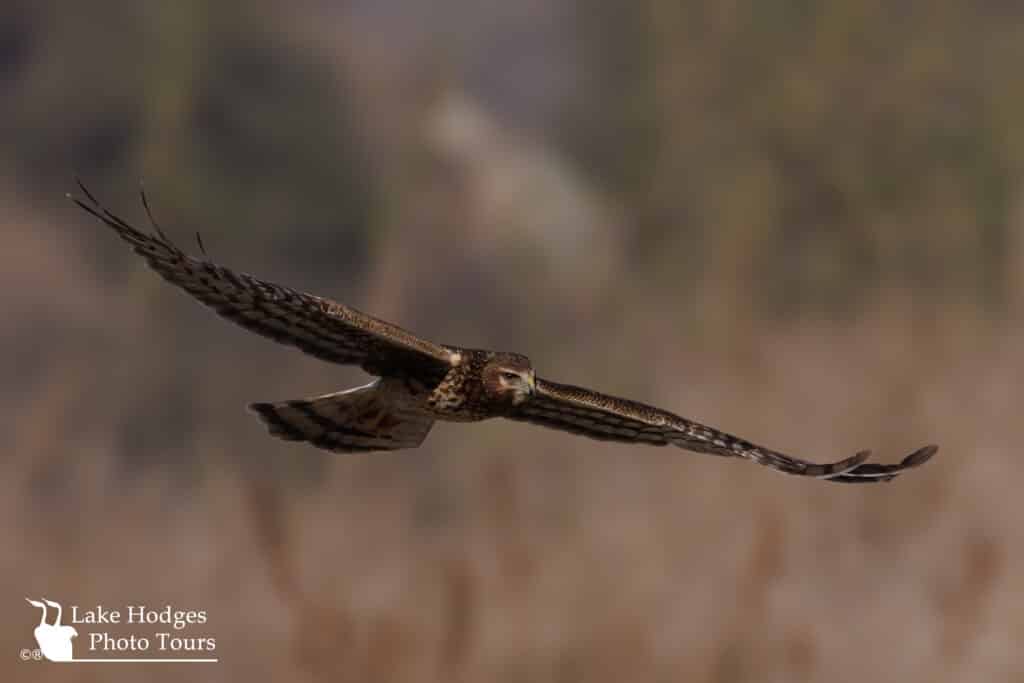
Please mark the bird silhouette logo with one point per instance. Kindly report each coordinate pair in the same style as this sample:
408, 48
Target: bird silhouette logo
54, 639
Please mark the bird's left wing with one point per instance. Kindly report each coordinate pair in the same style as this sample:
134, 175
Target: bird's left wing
323, 328
600, 416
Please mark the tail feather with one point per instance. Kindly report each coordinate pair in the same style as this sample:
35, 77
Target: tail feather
353, 421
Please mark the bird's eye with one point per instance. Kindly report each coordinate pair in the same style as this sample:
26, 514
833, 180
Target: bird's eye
509, 375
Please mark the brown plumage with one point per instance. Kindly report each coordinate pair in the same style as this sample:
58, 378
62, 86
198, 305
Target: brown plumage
420, 381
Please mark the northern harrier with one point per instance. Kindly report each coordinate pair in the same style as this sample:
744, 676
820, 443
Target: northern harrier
420, 381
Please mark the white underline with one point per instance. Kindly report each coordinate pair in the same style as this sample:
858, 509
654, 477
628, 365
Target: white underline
194, 661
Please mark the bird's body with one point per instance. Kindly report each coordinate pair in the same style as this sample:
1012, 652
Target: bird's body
421, 381
464, 394
459, 396
395, 411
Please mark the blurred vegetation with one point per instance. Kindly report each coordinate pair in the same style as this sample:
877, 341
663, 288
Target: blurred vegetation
219, 115
812, 155
800, 221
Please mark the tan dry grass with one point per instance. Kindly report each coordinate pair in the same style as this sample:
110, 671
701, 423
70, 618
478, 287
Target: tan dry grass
498, 553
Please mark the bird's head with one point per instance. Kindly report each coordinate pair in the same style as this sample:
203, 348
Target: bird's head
508, 378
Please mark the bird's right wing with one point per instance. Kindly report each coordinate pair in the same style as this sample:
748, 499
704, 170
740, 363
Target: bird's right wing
323, 328
600, 416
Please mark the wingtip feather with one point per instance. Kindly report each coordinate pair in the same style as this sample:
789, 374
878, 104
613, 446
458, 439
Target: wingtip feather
843, 466
920, 456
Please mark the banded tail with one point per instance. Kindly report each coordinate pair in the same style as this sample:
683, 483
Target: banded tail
354, 421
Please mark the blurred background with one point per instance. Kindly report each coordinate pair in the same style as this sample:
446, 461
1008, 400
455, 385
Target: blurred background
802, 222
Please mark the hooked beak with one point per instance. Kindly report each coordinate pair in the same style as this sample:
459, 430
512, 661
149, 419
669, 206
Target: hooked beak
532, 382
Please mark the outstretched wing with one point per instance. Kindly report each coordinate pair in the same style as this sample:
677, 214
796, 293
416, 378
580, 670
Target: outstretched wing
599, 416
323, 328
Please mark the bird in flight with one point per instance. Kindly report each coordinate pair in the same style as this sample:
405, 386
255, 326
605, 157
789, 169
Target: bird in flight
419, 381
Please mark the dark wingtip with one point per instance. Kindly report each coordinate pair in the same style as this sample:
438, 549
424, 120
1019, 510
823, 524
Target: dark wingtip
89, 208
851, 463
149, 213
259, 408
874, 472
88, 203
920, 456
85, 190
275, 425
